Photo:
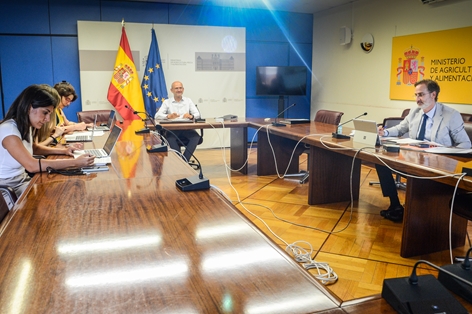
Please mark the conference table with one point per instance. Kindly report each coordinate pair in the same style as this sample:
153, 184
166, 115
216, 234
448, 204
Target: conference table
335, 175
128, 240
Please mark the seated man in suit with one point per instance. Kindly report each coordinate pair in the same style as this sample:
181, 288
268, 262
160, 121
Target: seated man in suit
180, 107
431, 121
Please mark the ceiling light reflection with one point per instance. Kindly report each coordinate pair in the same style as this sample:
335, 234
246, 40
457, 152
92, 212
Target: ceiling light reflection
287, 303
236, 258
126, 276
104, 245
21, 290
220, 231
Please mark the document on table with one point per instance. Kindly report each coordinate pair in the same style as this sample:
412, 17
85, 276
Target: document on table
448, 150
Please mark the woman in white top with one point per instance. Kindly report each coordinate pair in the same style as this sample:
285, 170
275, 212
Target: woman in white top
28, 113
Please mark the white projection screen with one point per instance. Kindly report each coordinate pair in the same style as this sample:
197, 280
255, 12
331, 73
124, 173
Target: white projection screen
216, 91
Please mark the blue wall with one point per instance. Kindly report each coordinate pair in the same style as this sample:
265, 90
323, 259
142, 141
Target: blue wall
38, 43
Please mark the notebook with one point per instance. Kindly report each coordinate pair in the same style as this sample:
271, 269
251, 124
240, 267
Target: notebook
103, 153
107, 127
366, 133
81, 138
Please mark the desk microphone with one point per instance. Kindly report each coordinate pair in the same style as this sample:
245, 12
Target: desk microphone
193, 183
275, 123
462, 270
338, 135
423, 294
145, 129
157, 148
199, 119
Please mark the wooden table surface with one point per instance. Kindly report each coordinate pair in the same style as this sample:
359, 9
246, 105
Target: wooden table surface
129, 241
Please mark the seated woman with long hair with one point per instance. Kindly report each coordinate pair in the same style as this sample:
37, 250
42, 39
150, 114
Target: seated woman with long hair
18, 131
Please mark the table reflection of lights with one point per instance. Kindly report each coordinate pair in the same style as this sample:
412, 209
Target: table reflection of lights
285, 303
21, 289
174, 270
205, 233
231, 258
118, 243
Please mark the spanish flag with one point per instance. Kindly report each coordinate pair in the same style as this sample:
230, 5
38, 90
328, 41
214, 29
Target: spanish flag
124, 92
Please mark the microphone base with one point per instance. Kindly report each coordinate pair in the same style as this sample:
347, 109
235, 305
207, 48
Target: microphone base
428, 296
193, 183
454, 285
142, 131
200, 120
158, 148
341, 136
277, 124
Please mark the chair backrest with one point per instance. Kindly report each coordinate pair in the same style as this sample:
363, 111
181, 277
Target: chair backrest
405, 113
89, 115
391, 121
467, 117
328, 116
468, 129
4, 208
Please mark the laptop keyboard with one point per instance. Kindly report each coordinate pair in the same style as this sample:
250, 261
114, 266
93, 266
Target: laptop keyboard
96, 152
82, 138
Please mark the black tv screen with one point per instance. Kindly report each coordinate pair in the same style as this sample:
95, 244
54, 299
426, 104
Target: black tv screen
281, 80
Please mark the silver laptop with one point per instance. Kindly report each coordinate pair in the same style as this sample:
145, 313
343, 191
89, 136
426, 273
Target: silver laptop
81, 138
366, 133
107, 127
109, 144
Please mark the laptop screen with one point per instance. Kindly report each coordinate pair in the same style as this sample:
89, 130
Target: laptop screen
366, 133
110, 119
112, 138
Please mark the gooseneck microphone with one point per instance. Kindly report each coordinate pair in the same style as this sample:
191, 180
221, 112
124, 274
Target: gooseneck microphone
200, 114
463, 271
193, 183
158, 148
145, 129
275, 123
339, 135
423, 294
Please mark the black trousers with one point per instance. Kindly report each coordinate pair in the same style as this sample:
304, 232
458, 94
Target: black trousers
190, 137
387, 183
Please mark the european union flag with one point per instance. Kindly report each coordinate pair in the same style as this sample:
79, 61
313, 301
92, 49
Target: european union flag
154, 83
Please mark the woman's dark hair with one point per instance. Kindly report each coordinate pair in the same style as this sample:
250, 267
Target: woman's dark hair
65, 89
33, 96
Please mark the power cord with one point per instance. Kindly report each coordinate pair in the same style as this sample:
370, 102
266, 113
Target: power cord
66, 172
326, 274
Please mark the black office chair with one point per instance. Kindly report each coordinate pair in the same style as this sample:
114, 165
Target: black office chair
4, 208
388, 123
323, 116
9, 196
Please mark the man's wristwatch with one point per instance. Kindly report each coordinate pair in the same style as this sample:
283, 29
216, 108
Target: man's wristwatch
54, 140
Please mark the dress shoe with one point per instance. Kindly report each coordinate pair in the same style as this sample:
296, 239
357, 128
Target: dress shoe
395, 215
383, 213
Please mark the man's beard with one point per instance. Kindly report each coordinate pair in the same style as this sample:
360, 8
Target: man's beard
423, 106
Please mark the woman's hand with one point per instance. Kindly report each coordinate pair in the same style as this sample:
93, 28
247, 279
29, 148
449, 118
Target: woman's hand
85, 160
73, 147
58, 131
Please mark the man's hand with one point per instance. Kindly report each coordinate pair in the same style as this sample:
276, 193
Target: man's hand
187, 116
381, 131
172, 115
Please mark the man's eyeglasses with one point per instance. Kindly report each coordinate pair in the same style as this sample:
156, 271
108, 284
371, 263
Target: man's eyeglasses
421, 94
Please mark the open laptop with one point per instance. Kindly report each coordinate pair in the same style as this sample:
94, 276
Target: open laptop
366, 133
107, 127
107, 148
81, 138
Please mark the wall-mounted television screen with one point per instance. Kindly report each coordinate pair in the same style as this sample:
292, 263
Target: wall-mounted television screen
281, 80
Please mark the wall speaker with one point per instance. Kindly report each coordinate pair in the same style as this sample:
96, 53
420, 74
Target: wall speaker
345, 35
